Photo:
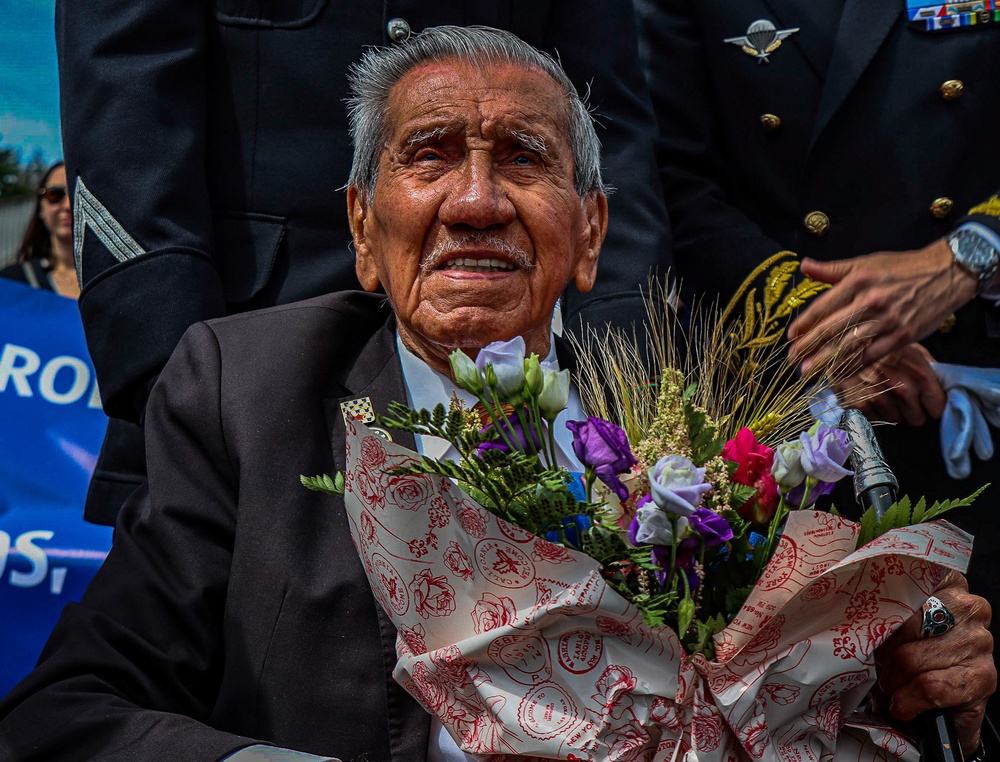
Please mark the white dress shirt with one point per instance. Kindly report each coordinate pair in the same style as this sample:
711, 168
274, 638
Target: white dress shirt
425, 388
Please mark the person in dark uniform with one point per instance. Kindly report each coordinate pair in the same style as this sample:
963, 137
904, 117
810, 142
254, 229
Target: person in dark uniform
856, 134
206, 142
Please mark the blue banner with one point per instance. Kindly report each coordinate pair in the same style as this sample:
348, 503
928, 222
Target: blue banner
51, 427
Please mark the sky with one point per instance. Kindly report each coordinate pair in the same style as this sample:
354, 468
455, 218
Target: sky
29, 88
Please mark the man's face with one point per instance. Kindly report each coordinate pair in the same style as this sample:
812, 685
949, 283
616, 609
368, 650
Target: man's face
475, 228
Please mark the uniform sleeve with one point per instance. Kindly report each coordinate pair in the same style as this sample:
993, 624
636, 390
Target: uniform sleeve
133, 670
987, 213
715, 245
596, 43
133, 102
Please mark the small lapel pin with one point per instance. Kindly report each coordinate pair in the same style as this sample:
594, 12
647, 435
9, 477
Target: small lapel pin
358, 410
761, 39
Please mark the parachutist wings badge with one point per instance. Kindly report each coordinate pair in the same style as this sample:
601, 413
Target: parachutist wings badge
761, 39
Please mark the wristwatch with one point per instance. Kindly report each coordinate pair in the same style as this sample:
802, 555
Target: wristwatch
975, 251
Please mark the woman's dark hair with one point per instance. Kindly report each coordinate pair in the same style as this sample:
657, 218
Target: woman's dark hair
37, 241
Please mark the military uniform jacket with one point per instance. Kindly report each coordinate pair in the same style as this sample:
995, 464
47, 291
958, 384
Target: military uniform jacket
851, 117
233, 607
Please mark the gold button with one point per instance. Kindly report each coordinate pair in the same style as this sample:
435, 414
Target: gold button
770, 122
817, 224
941, 207
952, 89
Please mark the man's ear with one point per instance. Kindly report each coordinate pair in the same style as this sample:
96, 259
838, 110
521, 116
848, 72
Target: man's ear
357, 216
595, 211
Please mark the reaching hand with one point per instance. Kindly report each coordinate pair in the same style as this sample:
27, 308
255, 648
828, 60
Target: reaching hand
953, 671
879, 303
900, 387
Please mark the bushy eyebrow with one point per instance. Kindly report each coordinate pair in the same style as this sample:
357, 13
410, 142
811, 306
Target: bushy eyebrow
423, 136
532, 141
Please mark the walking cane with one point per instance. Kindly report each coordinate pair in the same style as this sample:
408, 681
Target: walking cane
875, 487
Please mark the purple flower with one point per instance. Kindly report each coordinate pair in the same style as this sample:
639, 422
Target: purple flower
677, 485
507, 360
824, 450
712, 529
794, 496
703, 528
602, 446
653, 526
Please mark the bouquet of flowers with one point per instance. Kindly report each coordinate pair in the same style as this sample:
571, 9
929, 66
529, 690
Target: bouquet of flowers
677, 594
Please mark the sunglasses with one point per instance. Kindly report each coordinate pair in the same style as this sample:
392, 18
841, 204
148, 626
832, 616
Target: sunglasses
53, 194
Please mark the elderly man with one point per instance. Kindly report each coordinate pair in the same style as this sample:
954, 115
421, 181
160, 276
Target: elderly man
233, 613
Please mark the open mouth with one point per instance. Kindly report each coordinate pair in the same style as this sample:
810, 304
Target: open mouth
466, 264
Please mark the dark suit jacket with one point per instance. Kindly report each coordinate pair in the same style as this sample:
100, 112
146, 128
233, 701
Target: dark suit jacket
865, 137
215, 132
233, 606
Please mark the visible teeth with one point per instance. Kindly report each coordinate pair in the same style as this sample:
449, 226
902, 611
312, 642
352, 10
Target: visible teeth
478, 265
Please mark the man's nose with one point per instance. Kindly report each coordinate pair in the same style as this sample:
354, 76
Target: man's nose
477, 197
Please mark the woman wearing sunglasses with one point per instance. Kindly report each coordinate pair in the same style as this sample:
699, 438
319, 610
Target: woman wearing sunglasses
45, 259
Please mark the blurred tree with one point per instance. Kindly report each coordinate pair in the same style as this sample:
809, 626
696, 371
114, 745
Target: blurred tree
19, 178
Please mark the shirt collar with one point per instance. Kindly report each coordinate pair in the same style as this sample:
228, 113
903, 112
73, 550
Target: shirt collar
426, 387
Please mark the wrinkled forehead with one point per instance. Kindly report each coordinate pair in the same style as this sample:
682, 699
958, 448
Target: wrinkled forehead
489, 99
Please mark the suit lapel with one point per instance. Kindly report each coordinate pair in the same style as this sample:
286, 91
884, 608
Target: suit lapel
864, 26
377, 375
812, 39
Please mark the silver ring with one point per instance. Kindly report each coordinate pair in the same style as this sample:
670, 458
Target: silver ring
937, 619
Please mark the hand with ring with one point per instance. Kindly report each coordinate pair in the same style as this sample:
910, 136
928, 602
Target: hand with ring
955, 672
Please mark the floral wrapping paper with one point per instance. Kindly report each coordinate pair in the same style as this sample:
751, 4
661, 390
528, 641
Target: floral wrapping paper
520, 648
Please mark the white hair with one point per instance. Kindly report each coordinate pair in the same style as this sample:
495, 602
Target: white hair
374, 76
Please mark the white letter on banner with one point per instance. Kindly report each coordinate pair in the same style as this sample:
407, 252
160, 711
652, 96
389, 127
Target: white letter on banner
81, 380
95, 397
39, 563
19, 373
4, 550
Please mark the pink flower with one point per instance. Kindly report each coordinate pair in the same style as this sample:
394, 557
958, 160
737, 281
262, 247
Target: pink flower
432, 596
754, 462
491, 612
458, 562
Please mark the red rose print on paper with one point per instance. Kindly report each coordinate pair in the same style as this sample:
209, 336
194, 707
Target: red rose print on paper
413, 640
614, 689
547, 551
473, 520
610, 626
458, 562
432, 596
707, 726
372, 452
368, 486
491, 612
818, 589
627, 742
411, 493
755, 737
368, 531
781, 694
